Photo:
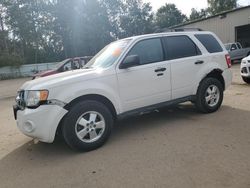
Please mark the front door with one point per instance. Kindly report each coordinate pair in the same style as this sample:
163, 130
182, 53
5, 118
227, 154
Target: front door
148, 83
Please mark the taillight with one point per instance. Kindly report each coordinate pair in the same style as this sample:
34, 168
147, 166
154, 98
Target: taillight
228, 59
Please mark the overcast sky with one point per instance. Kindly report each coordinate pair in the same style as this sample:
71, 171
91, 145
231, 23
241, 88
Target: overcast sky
186, 5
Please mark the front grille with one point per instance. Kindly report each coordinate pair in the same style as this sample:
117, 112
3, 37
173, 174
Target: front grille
244, 70
20, 99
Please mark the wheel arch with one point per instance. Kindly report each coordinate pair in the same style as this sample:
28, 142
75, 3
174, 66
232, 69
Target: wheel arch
100, 98
215, 73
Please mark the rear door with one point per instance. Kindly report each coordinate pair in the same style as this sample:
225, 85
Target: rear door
186, 61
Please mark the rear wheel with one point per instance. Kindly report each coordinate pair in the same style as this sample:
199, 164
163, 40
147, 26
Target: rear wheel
87, 126
246, 79
209, 95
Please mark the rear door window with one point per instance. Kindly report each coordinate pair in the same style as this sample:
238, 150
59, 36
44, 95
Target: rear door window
209, 42
239, 45
180, 47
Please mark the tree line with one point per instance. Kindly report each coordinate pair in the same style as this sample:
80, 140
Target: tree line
36, 31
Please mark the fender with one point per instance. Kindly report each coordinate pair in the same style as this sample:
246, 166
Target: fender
90, 87
204, 71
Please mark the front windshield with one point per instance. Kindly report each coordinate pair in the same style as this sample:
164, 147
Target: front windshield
108, 55
58, 65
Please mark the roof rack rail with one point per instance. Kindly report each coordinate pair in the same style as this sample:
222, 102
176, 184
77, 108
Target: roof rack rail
177, 30
186, 29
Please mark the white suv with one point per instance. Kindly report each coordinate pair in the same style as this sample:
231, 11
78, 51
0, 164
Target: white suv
128, 77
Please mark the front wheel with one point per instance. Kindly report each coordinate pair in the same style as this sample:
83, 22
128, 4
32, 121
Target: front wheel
87, 126
209, 96
246, 79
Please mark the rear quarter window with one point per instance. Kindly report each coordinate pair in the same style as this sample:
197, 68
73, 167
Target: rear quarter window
209, 42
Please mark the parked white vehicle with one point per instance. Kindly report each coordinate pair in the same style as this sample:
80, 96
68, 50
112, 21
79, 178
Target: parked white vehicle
245, 69
128, 77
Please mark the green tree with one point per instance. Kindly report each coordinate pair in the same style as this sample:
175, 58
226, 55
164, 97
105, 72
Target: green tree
36, 31
26, 20
129, 17
96, 27
8, 57
82, 27
217, 6
3, 32
203, 13
168, 15
114, 10
136, 18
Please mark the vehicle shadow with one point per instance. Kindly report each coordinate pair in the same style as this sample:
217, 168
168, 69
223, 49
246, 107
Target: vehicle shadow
123, 127
163, 117
59, 149
31, 157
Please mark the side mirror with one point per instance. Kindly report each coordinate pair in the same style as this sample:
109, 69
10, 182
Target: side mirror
130, 61
233, 48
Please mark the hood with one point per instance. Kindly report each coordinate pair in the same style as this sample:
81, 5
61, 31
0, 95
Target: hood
46, 73
246, 58
65, 78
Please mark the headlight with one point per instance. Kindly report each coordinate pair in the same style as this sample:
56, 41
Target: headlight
35, 98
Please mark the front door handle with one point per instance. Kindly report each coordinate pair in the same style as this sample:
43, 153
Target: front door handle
199, 62
160, 69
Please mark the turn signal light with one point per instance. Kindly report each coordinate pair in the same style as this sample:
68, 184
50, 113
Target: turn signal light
228, 59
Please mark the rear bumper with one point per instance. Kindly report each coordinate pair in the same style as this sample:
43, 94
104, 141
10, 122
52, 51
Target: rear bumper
40, 123
228, 77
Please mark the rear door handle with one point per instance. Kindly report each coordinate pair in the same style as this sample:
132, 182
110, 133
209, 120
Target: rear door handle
199, 62
160, 69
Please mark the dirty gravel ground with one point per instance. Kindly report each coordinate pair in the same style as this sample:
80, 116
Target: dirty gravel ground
176, 147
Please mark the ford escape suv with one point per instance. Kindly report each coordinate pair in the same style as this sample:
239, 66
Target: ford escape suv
127, 77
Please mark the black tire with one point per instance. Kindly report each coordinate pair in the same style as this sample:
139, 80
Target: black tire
246, 79
201, 103
69, 125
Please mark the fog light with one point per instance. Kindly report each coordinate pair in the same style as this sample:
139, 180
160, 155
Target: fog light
29, 127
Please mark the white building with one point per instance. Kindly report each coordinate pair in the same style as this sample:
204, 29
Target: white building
230, 26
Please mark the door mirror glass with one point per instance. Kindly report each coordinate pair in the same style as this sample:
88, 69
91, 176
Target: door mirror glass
130, 61
233, 47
